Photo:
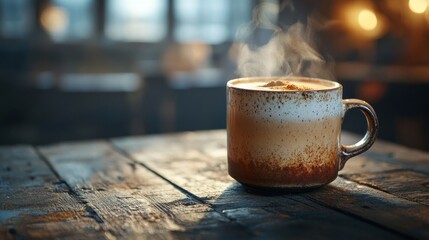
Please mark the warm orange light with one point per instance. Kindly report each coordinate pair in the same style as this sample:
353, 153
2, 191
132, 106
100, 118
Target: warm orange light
361, 20
367, 20
418, 6
54, 19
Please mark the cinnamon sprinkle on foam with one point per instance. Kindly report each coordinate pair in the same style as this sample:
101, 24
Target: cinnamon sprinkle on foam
284, 85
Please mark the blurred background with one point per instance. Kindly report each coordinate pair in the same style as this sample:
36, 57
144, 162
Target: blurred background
86, 69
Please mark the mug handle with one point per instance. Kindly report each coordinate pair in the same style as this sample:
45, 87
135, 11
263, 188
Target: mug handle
348, 151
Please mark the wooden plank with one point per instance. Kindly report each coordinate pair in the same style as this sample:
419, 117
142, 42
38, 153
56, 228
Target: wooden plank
298, 218
386, 169
400, 156
197, 163
404, 183
34, 203
132, 201
391, 169
382, 208
363, 164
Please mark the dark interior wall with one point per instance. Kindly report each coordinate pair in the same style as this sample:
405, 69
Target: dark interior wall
31, 114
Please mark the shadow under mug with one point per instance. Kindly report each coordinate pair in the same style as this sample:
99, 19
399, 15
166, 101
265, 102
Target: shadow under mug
290, 140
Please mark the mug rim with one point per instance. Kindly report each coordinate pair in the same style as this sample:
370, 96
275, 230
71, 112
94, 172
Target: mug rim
328, 84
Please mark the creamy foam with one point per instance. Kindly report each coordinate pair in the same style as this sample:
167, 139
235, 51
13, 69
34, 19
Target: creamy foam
283, 84
281, 106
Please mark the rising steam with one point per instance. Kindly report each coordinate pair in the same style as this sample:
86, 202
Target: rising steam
289, 51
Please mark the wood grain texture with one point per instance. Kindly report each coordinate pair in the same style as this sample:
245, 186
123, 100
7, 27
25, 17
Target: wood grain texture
133, 202
176, 186
381, 208
197, 162
391, 168
407, 184
399, 156
35, 204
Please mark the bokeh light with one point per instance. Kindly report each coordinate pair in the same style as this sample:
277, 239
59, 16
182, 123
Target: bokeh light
367, 20
418, 6
54, 19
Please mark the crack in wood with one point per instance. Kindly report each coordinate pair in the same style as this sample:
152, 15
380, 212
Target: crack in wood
389, 182
351, 214
90, 211
11, 230
342, 211
298, 200
179, 188
350, 178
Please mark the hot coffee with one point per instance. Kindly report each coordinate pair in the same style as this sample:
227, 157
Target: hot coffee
278, 85
284, 133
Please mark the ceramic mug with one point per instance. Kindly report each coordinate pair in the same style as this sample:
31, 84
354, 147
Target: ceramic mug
284, 133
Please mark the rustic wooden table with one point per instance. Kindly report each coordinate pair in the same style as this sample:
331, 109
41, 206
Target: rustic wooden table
176, 187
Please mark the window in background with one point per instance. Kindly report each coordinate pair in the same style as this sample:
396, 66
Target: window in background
66, 20
136, 20
15, 18
209, 21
